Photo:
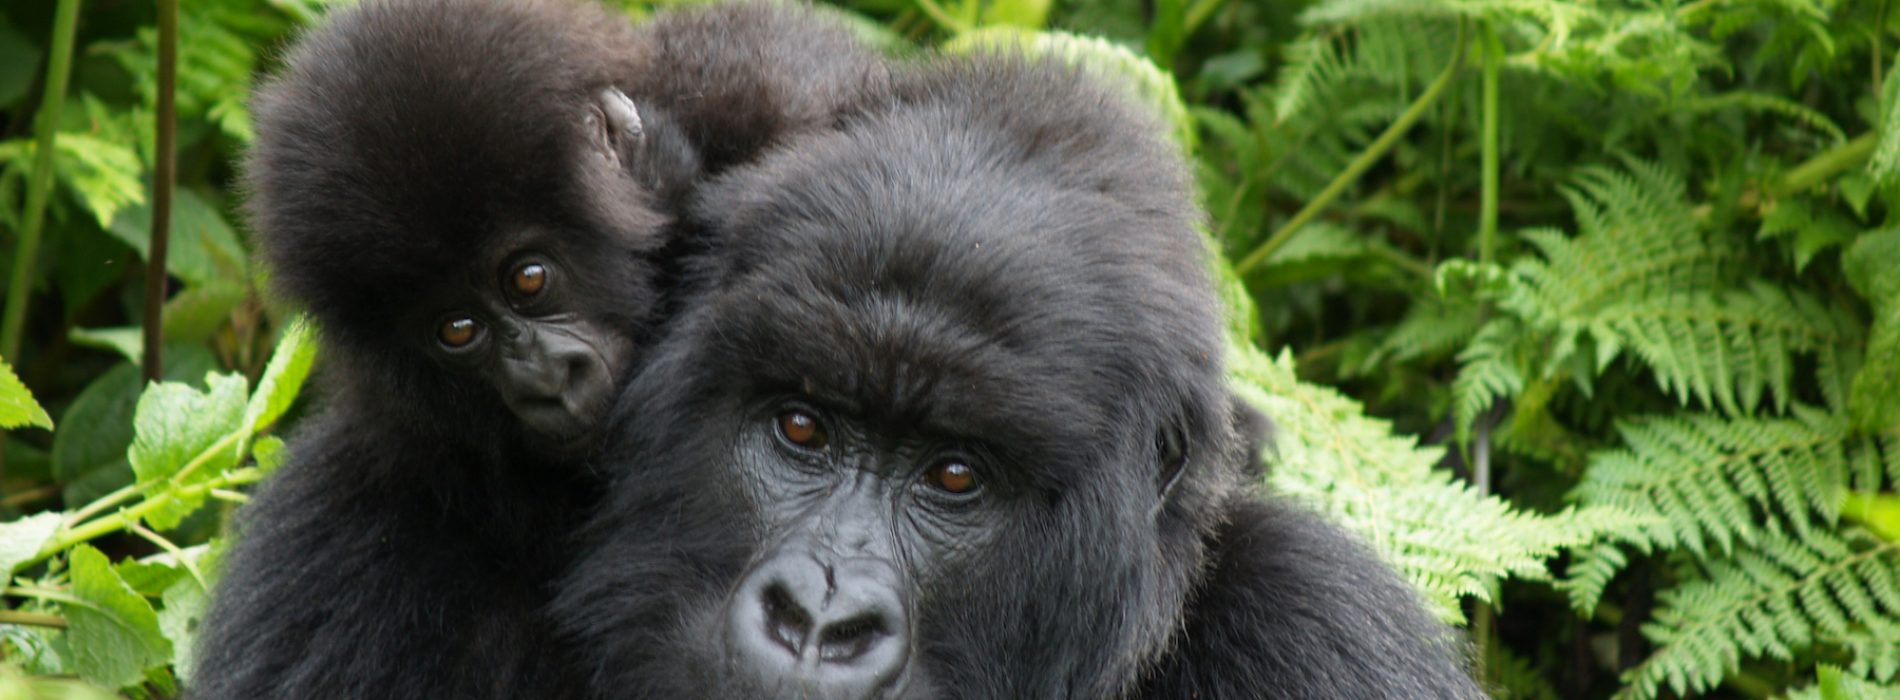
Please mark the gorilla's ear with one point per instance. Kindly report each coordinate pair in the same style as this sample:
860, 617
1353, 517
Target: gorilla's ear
616, 129
1255, 432
1172, 448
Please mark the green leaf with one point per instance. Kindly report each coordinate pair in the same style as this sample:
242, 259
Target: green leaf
185, 604
269, 453
180, 428
19, 61
17, 407
127, 341
283, 378
23, 538
193, 315
114, 636
1873, 268
203, 249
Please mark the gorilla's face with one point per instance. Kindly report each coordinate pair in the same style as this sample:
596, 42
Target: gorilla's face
939, 477
942, 426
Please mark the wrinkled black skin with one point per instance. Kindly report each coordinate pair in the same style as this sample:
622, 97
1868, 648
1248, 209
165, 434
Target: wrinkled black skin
411, 152
999, 266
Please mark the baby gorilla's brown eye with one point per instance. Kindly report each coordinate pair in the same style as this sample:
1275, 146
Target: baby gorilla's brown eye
802, 429
952, 477
531, 278
457, 332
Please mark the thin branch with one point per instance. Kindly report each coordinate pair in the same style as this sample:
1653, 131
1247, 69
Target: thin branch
1364, 161
39, 186
15, 617
164, 179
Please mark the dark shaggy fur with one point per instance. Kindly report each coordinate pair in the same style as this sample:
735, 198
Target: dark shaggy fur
409, 147
1000, 268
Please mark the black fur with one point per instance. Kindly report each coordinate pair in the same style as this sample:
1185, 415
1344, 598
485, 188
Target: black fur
409, 148
1000, 264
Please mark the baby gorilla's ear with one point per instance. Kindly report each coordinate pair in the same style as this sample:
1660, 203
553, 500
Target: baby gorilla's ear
615, 126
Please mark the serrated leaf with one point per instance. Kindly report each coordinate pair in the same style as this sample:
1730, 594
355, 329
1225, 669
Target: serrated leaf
283, 378
23, 538
17, 407
114, 637
269, 453
177, 425
185, 605
203, 248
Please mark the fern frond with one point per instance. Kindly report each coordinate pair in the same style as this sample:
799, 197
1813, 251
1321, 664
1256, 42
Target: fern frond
1641, 275
1770, 601
1488, 371
1440, 533
1431, 328
1708, 482
1876, 649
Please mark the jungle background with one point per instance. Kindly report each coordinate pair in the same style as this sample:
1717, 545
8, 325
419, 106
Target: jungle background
1585, 314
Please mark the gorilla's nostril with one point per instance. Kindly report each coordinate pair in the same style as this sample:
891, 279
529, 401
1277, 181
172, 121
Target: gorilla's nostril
843, 642
786, 622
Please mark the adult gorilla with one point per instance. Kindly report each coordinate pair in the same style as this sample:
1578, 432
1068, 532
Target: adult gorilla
949, 421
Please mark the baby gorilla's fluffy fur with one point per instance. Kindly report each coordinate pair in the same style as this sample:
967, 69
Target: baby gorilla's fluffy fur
948, 420
473, 200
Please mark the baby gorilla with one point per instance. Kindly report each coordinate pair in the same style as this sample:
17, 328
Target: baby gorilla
474, 199
949, 421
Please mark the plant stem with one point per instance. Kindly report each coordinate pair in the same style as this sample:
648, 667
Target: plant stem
15, 617
1364, 161
1825, 165
52, 594
164, 178
39, 186
1488, 149
125, 518
942, 18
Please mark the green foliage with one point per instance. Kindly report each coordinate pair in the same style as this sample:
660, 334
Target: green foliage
1659, 399
17, 407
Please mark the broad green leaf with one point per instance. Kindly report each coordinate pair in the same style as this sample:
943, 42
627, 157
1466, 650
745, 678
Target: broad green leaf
180, 428
127, 341
19, 61
200, 310
1873, 268
283, 378
185, 605
17, 407
269, 453
203, 250
96, 430
23, 538
114, 636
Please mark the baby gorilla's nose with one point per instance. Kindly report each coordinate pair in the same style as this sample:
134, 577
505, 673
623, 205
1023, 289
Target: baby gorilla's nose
810, 628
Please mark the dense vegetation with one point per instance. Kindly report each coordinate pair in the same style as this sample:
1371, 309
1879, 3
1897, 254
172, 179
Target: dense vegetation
1587, 315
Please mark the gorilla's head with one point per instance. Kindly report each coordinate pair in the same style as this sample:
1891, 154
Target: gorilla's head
459, 193
950, 422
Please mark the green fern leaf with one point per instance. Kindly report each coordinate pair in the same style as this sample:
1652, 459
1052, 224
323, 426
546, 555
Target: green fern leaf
1707, 482
1772, 601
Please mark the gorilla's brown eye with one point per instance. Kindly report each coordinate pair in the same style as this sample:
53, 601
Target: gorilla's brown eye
952, 477
802, 429
457, 332
531, 278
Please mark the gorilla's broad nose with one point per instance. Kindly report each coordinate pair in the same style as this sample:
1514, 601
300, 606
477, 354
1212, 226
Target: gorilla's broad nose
810, 628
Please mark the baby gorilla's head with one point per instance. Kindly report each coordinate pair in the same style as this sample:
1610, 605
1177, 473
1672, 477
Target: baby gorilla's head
466, 202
